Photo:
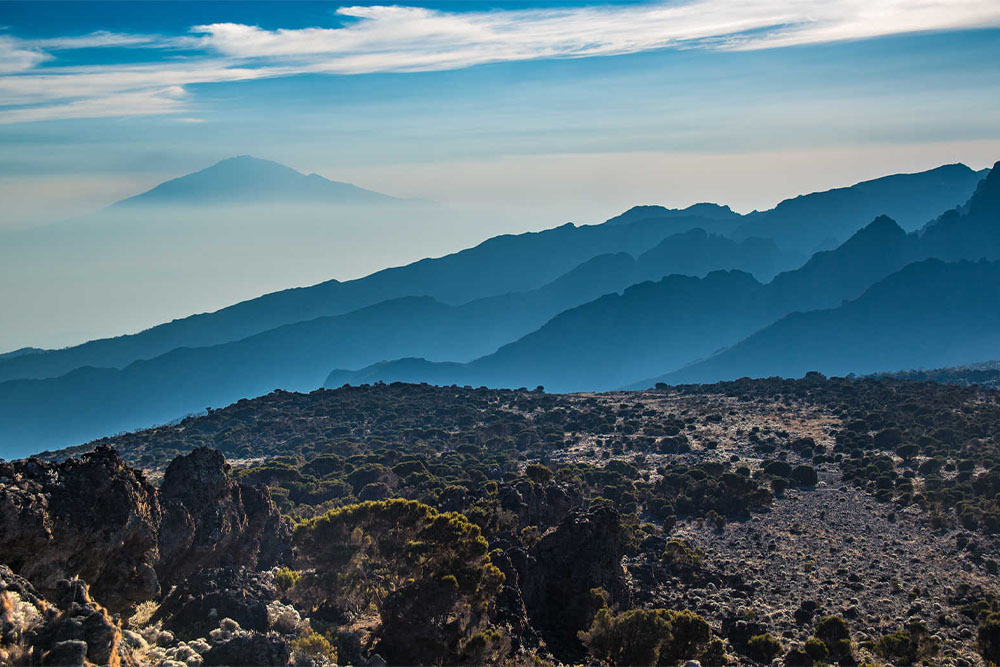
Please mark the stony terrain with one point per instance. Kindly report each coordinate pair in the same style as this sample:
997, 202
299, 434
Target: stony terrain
758, 508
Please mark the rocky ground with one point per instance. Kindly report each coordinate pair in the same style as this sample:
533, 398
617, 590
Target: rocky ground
852, 556
829, 550
182, 560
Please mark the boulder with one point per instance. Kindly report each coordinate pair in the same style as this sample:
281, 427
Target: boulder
582, 553
211, 520
195, 606
251, 648
91, 517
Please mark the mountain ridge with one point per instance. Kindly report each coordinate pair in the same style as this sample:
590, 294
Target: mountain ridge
829, 278
930, 313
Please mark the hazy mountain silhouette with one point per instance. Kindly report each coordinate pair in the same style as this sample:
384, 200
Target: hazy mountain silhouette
845, 272
503, 264
597, 345
711, 217
809, 221
89, 402
606, 342
248, 180
509, 263
603, 344
971, 231
805, 223
21, 352
696, 253
555, 294
929, 314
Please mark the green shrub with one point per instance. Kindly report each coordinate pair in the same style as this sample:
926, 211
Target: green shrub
285, 578
989, 638
763, 648
359, 553
314, 645
804, 475
646, 636
907, 646
680, 553
538, 473
832, 630
816, 649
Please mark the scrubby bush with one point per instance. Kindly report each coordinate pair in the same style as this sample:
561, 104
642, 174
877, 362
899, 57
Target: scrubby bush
816, 649
763, 648
538, 473
359, 553
804, 475
646, 637
907, 646
313, 645
834, 632
989, 638
285, 578
682, 554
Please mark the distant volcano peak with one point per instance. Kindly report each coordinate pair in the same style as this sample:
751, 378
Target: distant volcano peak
245, 179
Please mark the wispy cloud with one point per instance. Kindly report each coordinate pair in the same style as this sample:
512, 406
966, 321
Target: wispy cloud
410, 39
15, 57
103, 39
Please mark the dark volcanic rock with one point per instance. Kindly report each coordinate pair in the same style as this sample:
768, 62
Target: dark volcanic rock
210, 520
22, 612
540, 505
71, 630
509, 610
95, 518
195, 607
250, 649
418, 627
584, 552
92, 517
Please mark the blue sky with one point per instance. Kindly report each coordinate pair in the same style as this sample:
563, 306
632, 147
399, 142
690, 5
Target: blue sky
515, 116
486, 103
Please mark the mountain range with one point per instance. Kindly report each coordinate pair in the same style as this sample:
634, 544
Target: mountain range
603, 344
929, 314
683, 294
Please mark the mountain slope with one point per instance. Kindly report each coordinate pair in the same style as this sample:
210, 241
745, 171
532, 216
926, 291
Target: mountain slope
804, 223
603, 343
500, 265
503, 264
971, 231
930, 314
90, 402
609, 342
696, 253
247, 180
711, 217
831, 276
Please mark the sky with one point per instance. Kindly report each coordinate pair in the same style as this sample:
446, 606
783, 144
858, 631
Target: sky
524, 114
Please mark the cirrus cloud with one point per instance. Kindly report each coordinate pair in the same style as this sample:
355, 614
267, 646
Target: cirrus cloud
411, 39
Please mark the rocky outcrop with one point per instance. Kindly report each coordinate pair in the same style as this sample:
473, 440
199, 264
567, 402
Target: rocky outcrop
210, 520
71, 630
419, 625
196, 606
508, 606
92, 517
96, 518
582, 553
541, 505
240, 647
